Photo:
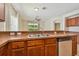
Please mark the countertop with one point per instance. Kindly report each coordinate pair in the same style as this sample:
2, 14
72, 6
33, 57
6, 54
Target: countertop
4, 39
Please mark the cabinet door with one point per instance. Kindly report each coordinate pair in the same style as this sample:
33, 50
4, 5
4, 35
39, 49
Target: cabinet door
51, 50
18, 52
73, 21
77, 21
35, 51
2, 12
69, 22
3, 51
66, 23
74, 45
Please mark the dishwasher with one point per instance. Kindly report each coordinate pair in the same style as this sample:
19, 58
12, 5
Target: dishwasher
64, 46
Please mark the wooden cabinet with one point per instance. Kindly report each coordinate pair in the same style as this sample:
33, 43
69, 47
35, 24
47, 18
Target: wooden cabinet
50, 41
74, 45
51, 50
72, 21
77, 21
42, 47
35, 51
3, 50
2, 11
16, 44
35, 48
35, 42
51, 47
68, 22
17, 48
18, 52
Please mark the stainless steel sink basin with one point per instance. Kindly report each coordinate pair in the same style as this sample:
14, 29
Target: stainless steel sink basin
38, 35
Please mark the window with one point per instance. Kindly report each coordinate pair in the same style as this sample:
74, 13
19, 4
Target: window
57, 26
33, 26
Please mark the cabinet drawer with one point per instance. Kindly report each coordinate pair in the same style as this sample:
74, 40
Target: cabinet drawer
35, 42
51, 41
35, 51
18, 52
17, 44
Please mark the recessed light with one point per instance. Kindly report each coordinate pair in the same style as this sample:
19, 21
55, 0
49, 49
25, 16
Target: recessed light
36, 9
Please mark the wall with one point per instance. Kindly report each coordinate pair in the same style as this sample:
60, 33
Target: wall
49, 24
10, 11
44, 24
2, 26
22, 24
73, 14
62, 20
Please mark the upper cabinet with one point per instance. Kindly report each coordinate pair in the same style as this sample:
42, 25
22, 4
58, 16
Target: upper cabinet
2, 11
77, 20
72, 21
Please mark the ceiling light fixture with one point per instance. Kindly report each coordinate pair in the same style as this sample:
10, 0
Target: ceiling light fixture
36, 9
44, 8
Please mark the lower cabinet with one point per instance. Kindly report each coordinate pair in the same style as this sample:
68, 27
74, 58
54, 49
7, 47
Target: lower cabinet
47, 47
16, 48
51, 50
3, 50
18, 52
35, 51
39, 47
74, 45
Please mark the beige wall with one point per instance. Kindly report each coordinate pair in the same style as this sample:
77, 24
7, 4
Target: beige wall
9, 10
2, 26
22, 24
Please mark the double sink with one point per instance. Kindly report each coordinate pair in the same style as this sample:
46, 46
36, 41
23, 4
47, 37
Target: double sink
38, 35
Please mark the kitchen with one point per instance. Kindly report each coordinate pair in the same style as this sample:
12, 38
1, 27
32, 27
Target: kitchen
39, 29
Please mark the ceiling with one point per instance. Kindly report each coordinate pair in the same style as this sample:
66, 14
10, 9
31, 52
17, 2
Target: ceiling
52, 9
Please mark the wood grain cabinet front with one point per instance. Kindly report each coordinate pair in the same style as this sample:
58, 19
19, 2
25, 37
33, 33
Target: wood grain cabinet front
18, 44
35, 42
18, 52
2, 11
72, 21
16, 48
42, 47
51, 50
4, 50
51, 47
77, 21
35, 51
68, 22
74, 45
51, 41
